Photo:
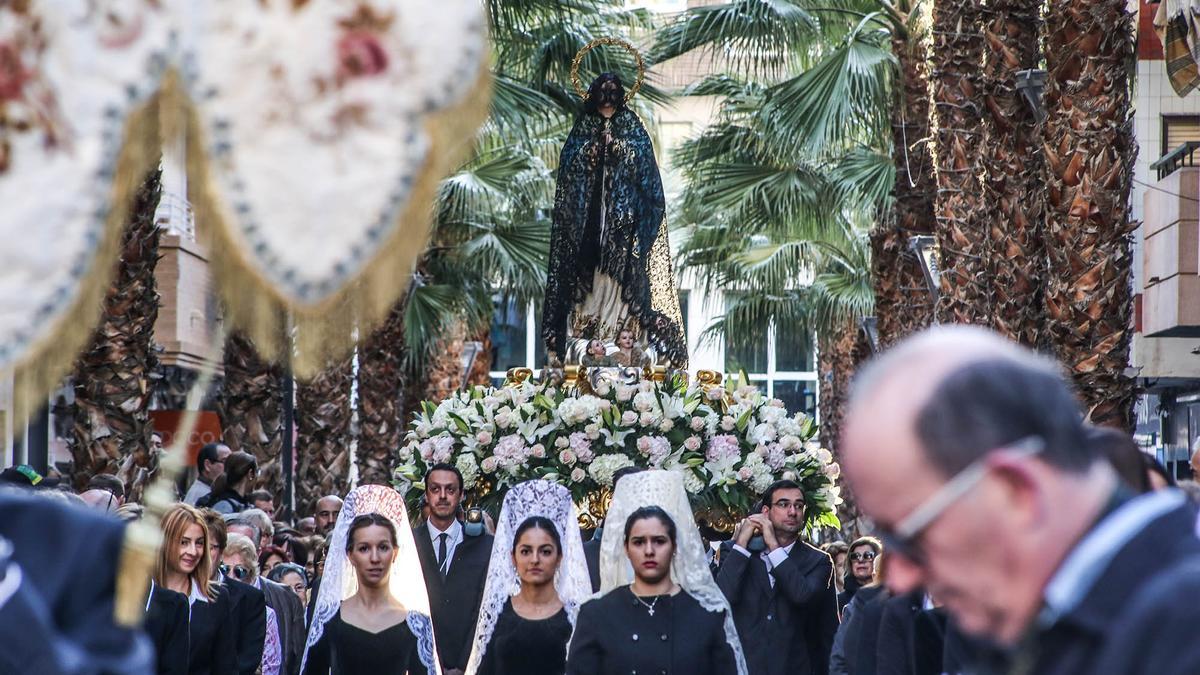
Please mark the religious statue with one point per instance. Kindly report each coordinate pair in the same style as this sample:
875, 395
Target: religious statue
610, 266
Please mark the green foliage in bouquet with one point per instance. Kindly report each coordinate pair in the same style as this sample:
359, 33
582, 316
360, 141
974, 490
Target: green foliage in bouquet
729, 444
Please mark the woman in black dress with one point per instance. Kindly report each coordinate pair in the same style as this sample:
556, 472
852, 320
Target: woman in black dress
185, 566
537, 579
360, 625
672, 618
531, 633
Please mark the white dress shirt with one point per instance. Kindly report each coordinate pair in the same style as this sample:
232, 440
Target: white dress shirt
771, 560
455, 532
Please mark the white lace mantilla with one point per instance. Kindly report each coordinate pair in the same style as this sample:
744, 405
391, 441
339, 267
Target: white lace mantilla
689, 568
574, 586
407, 583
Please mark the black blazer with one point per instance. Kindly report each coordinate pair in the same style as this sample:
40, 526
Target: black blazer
249, 611
1140, 615
167, 625
290, 615
66, 561
212, 634
591, 555
785, 629
455, 601
614, 635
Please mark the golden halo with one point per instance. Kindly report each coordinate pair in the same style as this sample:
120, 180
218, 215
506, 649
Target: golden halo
641, 65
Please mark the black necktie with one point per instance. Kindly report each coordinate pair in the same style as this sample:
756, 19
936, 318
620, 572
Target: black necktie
442, 553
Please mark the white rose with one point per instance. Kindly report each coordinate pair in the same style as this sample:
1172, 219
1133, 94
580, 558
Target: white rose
577, 475
666, 426
697, 423
646, 419
629, 418
728, 423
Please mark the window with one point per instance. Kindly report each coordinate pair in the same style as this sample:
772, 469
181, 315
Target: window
1177, 130
510, 335
782, 363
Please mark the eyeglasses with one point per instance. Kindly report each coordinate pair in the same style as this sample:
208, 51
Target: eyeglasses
903, 537
862, 557
787, 505
238, 572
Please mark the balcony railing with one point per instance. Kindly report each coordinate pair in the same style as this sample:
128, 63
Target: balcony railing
175, 216
1184, 155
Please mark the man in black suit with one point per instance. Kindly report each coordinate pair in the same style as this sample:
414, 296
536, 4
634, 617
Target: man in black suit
971, 455
783, 599
58, 575
248, 604
166, 623
911, 636
455, 567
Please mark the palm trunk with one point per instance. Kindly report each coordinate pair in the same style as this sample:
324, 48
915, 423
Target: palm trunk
251, 409
323, 435
962, 230
903, 303
1014, 186
840, 356
444, 370
381, 384
1089, 155
112, 376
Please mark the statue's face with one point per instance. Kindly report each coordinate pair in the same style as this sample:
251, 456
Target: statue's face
625, 340
596, 348
607, 92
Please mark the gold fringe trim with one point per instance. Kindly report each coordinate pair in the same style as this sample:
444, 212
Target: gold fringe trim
52, 357
324, 332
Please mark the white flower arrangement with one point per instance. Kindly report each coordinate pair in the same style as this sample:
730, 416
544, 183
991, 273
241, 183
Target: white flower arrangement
729, 445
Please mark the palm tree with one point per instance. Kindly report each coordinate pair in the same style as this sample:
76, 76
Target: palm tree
778, 189
964, 237
1013, 185
112, 375
381, 380
251, 408
1089, 150
903, 303
323, 434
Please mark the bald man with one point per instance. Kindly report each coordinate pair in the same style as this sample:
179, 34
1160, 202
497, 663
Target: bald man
328, 508
971, 455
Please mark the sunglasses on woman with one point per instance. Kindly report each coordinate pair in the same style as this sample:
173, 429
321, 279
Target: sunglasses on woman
862, 557
238, 572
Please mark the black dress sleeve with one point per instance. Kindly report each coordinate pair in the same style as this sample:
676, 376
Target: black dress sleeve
586, 655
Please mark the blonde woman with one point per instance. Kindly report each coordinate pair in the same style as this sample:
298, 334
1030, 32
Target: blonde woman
184, 566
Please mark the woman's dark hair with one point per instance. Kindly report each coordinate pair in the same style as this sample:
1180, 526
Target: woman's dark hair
238, 465
269, 551
650, 512
367, 520
281, 570
1152, 465
538, 523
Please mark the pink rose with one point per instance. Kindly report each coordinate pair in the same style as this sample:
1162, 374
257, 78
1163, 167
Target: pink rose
538, 451
629, 418
577, 475
566, 457
697, 423
13, 74
483, 437
360, 55
488, 465
692, 443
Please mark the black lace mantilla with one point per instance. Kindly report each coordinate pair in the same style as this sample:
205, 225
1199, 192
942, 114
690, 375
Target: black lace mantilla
634, 251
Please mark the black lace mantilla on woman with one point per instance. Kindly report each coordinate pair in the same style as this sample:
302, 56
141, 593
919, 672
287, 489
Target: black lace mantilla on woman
522, 646
610, 263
